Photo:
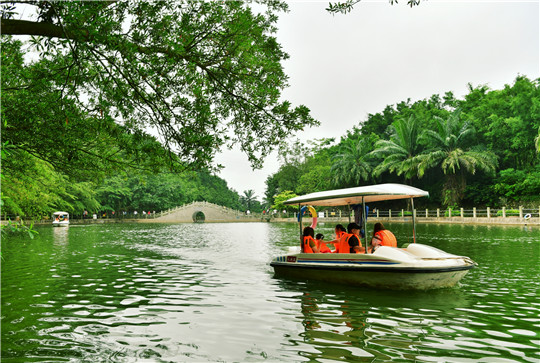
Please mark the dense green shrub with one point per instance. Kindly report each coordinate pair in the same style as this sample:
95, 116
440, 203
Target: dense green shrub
509, 213
455, 213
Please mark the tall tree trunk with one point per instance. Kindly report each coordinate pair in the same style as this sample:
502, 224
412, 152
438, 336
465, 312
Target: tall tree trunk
454, 189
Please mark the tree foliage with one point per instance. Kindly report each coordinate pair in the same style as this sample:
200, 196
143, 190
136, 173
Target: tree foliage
38, 190
163, 191
347, 6
32, 188
479, 150
281, 198
537, 141
516, 185
37, 118
399, 152
197, 74
353, 164
506, 120
104, 91
249, 201
453, 149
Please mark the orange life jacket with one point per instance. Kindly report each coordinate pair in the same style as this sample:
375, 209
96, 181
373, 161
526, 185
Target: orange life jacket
336, 244
387, 238
343, 244
323, 248
307, 247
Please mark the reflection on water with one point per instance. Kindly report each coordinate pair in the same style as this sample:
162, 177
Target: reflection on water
352, 324
60, 235
205, 292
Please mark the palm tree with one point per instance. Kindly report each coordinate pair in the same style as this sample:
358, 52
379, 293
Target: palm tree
398, 153
353, 163
248, 198
451, 150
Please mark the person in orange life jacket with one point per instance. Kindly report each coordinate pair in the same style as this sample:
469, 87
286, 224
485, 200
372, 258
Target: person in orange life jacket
382, 237
339, 232
355, 246
323, 248
348, 242
309, 245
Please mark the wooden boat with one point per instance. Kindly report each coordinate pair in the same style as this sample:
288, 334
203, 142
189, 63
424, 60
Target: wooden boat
417, 266
60, 219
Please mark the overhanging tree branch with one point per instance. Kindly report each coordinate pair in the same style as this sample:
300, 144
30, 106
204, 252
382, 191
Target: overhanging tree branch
25, 27
191, 70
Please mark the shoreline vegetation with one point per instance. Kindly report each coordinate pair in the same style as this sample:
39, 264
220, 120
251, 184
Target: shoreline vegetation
487, 216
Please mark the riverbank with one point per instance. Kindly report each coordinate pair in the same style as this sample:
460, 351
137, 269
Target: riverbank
333, 220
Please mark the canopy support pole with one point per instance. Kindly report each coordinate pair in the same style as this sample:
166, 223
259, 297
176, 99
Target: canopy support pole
413, 221
365, 224
300, 224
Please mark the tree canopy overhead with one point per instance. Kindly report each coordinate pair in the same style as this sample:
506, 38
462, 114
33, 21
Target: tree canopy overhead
197, 75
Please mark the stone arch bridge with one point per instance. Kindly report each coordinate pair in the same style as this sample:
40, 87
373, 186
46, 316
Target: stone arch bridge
201, 212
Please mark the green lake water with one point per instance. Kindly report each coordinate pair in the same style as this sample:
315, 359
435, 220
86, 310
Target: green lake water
206, 292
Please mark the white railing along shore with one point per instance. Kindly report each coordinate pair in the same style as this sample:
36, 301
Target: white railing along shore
474, 214
491, 215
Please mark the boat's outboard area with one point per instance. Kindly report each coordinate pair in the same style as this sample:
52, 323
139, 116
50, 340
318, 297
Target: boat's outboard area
395, 254
423, 256
425, 251
294, 249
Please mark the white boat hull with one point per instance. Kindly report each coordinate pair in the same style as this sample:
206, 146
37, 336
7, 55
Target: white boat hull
60, 224
418, 267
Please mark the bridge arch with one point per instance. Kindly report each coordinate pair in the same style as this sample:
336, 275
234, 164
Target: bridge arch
198, 216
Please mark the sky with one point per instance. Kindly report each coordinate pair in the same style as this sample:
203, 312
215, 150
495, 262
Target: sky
344, 67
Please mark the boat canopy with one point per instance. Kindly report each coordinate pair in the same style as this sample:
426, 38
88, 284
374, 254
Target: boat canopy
60, 213
357, 195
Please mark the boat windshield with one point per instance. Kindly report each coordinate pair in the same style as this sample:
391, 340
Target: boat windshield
60, 216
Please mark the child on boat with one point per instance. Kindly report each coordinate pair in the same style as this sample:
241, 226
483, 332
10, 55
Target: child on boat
322, 247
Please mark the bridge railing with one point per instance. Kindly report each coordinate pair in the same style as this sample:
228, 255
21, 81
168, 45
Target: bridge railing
203, 204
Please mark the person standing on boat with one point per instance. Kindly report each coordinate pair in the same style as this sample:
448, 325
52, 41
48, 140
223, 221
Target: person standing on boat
382, 237
321, 246
309, 245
